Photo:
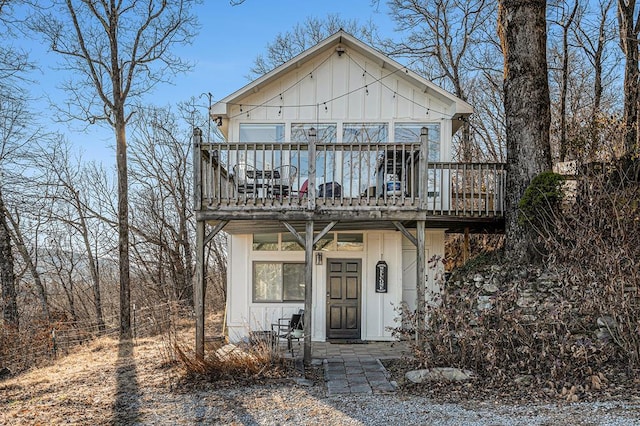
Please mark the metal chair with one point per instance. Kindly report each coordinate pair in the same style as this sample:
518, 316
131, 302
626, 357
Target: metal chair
244, 178
283, 180
290, 329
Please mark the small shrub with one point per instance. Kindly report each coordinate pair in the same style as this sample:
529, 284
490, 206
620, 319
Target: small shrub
573, 320
539, 204
234, 363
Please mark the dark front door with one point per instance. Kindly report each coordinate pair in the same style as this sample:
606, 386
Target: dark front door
343, 299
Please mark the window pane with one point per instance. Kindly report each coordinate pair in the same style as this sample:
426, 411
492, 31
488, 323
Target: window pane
325, 133
290, 243
267, 282
364, 132
326, 243
410, 132
265, 242
359, 165
261, 132
350, 242
293, 274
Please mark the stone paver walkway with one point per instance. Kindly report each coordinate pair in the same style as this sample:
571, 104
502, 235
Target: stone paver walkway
355, 376
356, 368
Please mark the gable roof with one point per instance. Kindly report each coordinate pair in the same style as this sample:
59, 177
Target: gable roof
347, 41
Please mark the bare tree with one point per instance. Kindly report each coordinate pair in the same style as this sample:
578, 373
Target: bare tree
67, 187
13, 65
161, 174
567, 13
118, 50
303, 36
522, 25
29, 257
7, 275
629, 23
592, 38
447, 38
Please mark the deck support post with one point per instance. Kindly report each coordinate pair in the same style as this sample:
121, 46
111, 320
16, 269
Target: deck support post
421, 279
200, 279
199, 289
308, 290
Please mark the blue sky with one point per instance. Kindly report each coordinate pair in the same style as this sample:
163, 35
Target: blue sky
230, 39
232, 36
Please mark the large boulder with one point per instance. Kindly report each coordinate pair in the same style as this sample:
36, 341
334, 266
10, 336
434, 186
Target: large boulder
440, 374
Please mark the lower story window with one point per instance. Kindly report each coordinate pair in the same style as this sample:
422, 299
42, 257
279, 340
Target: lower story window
278, 282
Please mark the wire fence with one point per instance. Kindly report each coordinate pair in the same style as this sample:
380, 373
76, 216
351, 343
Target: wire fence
43, 342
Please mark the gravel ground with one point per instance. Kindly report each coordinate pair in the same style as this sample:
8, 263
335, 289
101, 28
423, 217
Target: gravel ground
106, 383
268, 406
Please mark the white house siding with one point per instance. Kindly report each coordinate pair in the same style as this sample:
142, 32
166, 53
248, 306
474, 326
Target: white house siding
325, 87
242, 314
434, 246
332, 88
378, 310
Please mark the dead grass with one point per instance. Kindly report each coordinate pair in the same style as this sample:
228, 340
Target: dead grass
80, 388
234, 363
109, 382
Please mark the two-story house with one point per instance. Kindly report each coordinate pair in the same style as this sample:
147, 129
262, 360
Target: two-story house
336, 186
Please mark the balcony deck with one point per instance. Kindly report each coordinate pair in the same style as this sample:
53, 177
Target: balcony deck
360, 185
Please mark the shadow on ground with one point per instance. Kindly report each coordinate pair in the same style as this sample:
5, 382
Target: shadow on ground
126, 408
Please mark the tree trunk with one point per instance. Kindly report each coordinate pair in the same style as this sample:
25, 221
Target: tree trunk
7, 276
30, 264
566, 25
522, 29
597, 88
92, 264
629, 28
123, 226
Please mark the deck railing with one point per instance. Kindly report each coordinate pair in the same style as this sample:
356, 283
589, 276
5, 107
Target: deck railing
308, 176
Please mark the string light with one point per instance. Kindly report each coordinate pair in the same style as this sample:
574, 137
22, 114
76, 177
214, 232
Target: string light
365, 87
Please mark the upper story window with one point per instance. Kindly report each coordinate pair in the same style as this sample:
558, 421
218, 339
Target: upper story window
365, 132
261, 157
325, 132
250, 132
410, 132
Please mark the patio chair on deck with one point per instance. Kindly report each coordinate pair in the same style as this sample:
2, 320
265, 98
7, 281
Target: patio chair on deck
290, 329
244, 179
283, 179
303, 191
